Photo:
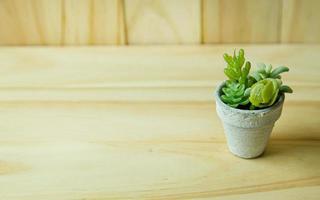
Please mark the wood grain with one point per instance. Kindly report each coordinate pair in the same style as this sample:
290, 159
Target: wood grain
248, 21
163, 22
182, 73
107, 22
300, 21
210, 21
140, 123
90, 150
62, 22
77, 22
88, 22
30, 22
118, 22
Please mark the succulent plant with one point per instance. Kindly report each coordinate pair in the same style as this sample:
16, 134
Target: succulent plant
264, 72
265, 92
235, 94
235, 70
250, 91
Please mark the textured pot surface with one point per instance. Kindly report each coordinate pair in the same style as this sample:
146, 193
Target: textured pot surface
247, 131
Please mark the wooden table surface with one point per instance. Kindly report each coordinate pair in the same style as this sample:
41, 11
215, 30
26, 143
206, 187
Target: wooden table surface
140, 123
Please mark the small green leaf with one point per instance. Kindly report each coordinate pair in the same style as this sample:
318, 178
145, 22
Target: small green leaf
224, 98
241, 53
234, 105
278, 71
229, 83
230, 74
276, 82
263, 76
286, 89
233, 94
251, 81
225, 91
255, 95
235, 100
256, 76
267, 92
275, 95
245, 101
228, 59
242, 80
240, 91
268, 69
261, 67
278, 77
247, 92
245, 72
241, 58
247, 68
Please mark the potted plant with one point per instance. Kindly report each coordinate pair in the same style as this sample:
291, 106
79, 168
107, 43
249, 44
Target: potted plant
249, 104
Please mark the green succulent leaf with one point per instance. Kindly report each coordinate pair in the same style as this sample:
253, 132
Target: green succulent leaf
244, 74
255, 95
267, 91
240, 58
235, 70
263, 72
251, 81
268, 69
234, 94
285, 89
264, 93
278, 71
245, 101
263, 75
247, 92
230, 74
256, 76
278, 77
261, 67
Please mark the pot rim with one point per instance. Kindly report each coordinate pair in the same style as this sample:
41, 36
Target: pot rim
278, 103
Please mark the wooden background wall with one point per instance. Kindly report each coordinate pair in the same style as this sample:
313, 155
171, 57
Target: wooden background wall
117, 22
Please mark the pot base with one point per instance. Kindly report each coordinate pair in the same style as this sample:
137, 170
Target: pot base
247, 142
245, 156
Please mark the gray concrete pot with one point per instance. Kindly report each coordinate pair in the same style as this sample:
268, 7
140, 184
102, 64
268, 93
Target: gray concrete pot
247, 131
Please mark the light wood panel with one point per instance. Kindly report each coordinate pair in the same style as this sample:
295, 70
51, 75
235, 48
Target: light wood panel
301, 21
61, 22
248, 21
107, 22
118, 73
30, 22
77, 22
88, 150
210, 21
117, 22
87, 22
140, 123
163, 22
